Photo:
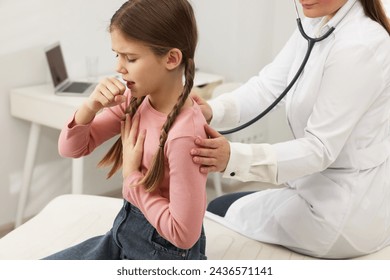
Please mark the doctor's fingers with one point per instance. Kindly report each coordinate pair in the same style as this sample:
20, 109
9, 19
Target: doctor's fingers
208, 164
204, 107
210, 143
212, 133
213, 159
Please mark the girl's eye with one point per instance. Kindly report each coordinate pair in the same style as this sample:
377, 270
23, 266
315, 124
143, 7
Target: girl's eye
130, 60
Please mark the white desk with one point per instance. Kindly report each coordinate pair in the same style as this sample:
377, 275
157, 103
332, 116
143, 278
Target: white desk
40, 106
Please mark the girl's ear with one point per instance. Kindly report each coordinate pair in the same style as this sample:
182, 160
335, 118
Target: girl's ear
173, 59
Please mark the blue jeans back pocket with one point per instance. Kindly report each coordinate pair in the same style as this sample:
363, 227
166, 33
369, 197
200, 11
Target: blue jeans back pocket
165, 250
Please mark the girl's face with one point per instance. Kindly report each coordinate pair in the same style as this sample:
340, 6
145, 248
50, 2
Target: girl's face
143, 71
321, 8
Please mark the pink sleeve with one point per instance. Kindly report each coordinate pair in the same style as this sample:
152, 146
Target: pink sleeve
179, 219
80, 140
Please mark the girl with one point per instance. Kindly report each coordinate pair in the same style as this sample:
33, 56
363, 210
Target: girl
334, 195
164, 192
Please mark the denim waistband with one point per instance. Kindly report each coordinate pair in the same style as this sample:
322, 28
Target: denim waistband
130, 207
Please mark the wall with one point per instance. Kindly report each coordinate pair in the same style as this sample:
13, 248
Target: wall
237, 38
387, 6
234, 39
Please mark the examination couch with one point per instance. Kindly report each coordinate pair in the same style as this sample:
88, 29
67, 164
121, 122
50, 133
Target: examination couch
70, 219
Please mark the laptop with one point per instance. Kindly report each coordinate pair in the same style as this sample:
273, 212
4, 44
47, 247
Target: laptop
61, 82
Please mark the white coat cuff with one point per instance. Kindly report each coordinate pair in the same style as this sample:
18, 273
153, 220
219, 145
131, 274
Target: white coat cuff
252, 162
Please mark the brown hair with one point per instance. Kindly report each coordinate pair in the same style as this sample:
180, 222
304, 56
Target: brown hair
162, 25
374, 9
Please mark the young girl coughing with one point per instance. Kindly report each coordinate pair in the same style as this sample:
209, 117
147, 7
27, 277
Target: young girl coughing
164, 192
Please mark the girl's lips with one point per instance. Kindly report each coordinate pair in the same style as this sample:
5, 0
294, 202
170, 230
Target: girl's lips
307, 6
130, 84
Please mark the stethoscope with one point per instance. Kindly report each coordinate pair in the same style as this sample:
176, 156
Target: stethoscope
311, 42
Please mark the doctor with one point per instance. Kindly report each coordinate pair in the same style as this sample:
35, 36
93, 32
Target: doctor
334, 195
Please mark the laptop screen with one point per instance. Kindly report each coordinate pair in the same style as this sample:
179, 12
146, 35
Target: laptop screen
56, 64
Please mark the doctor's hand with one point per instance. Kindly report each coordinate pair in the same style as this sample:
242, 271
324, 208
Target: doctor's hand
212, 154
133, 145
204, 107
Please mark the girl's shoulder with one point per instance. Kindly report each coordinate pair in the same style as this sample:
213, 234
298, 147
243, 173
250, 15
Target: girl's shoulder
190, 122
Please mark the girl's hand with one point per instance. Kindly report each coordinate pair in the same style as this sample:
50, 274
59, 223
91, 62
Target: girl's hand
212, 154
133, 145
108, 93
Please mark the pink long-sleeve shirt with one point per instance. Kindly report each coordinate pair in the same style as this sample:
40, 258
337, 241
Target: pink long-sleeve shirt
177, 208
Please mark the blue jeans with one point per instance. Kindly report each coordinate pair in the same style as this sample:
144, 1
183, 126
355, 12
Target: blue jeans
131, 237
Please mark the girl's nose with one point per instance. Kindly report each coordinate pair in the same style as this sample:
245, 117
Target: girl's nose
120, 68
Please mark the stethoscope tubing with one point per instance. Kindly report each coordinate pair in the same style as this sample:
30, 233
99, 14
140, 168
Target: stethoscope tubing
311, 42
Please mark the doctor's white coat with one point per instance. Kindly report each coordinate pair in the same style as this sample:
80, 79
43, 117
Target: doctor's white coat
334, 200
